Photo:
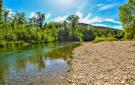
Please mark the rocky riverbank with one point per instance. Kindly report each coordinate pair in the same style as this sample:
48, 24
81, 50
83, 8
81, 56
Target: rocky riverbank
105, 63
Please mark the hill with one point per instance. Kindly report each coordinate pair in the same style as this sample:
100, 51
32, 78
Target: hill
99, 27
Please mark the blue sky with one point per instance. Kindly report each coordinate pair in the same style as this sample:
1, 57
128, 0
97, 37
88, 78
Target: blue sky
96, 12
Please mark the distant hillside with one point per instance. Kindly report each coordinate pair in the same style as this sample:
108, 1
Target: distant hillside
102, 27
98, 27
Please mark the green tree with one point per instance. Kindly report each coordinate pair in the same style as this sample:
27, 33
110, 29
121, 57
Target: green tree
5, 14
66, 30
0, 9
51, 25
73, 22
38, 19
0, 13
127, 17
20, 18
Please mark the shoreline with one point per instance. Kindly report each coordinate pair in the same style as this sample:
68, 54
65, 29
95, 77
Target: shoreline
104, 63
21, 43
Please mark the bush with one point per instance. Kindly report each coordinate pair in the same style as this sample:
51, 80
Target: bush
100, 39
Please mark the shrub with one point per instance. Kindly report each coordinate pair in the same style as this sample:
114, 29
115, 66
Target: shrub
100, 39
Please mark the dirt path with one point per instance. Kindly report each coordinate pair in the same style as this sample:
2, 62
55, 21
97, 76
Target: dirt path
105, 63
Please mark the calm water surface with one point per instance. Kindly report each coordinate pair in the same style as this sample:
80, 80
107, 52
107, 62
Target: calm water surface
36, 64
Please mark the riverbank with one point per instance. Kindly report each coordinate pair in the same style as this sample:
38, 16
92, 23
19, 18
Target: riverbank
4, 44
104, 63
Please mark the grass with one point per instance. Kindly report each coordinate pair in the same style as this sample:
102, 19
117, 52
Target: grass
101, 39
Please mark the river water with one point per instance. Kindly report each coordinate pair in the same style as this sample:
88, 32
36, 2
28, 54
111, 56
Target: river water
42, 64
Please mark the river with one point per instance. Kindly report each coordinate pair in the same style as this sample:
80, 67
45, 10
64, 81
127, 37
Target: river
42, 64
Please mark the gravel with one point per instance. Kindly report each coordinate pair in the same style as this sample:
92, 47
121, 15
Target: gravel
104, 63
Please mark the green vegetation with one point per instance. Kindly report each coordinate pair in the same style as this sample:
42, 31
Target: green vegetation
108, 35
100, 39
0, 7
18, 29
127, 17
0, 13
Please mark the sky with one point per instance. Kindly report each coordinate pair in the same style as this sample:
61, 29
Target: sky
95, 12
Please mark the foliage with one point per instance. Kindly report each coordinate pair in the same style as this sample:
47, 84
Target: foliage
108, 35
127, 17
100, 39
38, 19
17, 29
73, 23
0, 7
0, 13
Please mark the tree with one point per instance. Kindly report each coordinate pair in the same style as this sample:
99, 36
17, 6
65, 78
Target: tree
66, 31
38, 19
0, 9
20, 18
0, 13
53, 25
5, 14
73, 21
127, 17
32, 20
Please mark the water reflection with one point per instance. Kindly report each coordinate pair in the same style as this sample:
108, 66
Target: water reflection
33, 59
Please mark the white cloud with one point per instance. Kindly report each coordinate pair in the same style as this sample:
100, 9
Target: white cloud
48, 16
10, 12
84, 20
60, 19
88, 16
32, 14
78, 13
99, 5
105, 7
118, 26
112, 20
89, 20
96, 19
